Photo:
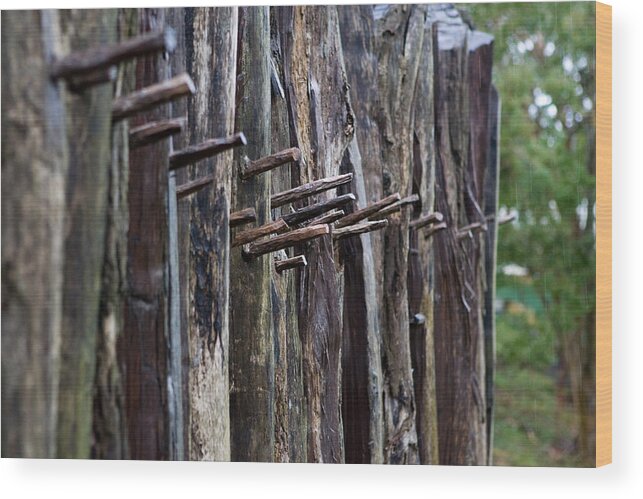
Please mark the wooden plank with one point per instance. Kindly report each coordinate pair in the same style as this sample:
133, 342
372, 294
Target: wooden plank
408, 201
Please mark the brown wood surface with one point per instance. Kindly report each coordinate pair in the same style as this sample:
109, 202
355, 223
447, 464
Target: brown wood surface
290, 263
249, 235
102, 57
360, 228
267, 163
286, 240
193, 186
152, 96
242, 217
367, 211
205, 149
309, 189
157, 130
314, 210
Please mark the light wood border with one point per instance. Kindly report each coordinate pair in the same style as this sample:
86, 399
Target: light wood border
603, 234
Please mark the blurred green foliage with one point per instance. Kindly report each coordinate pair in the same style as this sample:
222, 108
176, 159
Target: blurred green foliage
544, 69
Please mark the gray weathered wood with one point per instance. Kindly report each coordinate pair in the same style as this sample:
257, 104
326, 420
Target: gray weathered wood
328, 218
360, 228
408, 201
252, 390
89, 137
423, 221
34, 167
366, 212
307, 190
154, 131
433, 229
267, 163
206, 149
152, 96
317, 209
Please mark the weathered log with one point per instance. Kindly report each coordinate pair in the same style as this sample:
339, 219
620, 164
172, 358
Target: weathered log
404, 29
363, 228
193, 186
395, 207
435, 228
290, 401
33, 217
306, 190
362, 379
425, 220
366, 212
462, 84
99, 58
204, 150
206, 231
290, 263
247, 236
88, 137
152, 96
328, 218
98, 77
466, 230
287, 240
242, 217
252, 391
267, 163
157, 130
143, 347
317, 209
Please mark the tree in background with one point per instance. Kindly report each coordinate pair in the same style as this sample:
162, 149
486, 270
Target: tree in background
544, 69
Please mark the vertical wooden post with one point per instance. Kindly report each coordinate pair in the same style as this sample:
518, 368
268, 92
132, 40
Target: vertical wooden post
144, 347
251, 348
401, 56
34, 165
362, 379
211, 55
420, 273
88, 136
